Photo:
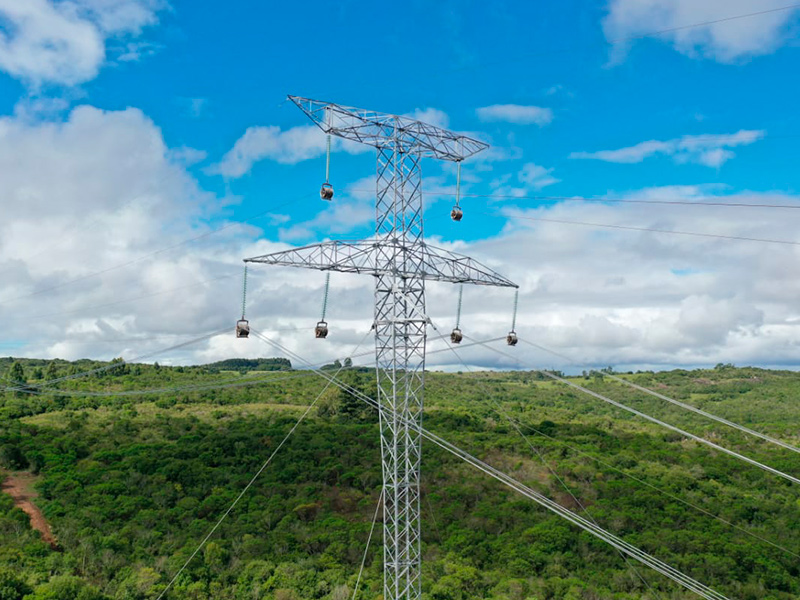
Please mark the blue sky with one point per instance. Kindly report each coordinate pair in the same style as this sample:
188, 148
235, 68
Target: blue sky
193, 95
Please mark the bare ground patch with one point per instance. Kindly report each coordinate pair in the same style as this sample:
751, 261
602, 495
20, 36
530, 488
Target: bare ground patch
20, 487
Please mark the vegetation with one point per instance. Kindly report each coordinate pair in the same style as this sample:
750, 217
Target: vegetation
132, 482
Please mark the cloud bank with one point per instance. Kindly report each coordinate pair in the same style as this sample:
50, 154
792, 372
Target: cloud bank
64, 42
717, 35
707, 150
516, 113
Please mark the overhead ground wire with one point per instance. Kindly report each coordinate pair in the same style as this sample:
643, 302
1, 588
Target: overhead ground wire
250, 483
654, 420
541, 457
366, 549
675, 402
516, 424
151, 254
50, 382
632, 551
203, 387
737, 238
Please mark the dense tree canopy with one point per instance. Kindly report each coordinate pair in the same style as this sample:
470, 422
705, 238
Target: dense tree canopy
131, 484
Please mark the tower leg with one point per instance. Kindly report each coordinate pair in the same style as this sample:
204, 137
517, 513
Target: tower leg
400, 332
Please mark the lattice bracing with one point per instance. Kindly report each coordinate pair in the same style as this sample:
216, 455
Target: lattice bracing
401, 262
370, 256
383, 130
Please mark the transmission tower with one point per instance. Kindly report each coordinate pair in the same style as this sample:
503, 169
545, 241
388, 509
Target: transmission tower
401, 262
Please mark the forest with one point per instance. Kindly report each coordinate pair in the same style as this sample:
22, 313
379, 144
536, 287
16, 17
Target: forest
135, 463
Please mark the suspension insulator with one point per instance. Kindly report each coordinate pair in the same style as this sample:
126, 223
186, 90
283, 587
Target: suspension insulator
242, 328
321, 330
242, 325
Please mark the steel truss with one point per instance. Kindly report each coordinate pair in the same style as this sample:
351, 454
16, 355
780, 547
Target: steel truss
401, 262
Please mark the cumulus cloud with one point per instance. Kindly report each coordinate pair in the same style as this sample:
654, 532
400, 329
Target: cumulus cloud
270, 142
516, 113
536, 177
99, 209
530, 178
431, 116
99, 190
707, 150
721, 38
643, 299
64, 42
297, 144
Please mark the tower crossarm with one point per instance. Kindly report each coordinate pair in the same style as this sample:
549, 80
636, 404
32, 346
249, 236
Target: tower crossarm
370, 256
383, 130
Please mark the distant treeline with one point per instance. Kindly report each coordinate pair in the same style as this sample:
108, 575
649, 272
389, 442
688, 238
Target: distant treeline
252, 364
37, 368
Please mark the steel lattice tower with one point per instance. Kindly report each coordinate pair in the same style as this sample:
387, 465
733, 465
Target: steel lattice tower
401, 262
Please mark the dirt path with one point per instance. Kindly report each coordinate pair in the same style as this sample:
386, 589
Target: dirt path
20, 487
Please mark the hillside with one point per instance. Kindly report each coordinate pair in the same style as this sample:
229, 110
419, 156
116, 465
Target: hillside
130, 483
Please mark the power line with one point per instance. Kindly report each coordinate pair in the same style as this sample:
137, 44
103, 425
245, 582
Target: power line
683, 405
621, 40
653, 230
133, 299
45, 388
626, 474
618, 543
608, 200
82, 225
654, 420
251, 482
658, 489
504, 414
152, 254
369, 539
542, 500
49, 383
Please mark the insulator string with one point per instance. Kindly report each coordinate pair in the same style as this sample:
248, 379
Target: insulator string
328, 153
458, 183
458, 310
244, 291
325, 295
514, 315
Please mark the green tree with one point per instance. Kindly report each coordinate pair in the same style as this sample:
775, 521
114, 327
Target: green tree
52, 370
17, 373
12, 457
11, 586
66, 588
352, 408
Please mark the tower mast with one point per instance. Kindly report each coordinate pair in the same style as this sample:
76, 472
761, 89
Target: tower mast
400, 261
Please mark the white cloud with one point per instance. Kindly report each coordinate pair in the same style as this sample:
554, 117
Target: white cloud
63, 42
726, 40
297, 144
708, 150
84, 195
516, 113
606, 296
102, 189
530, 178
352, 208
258, 143
117, 16
431, 116
195, 107
536, 176
286, 147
